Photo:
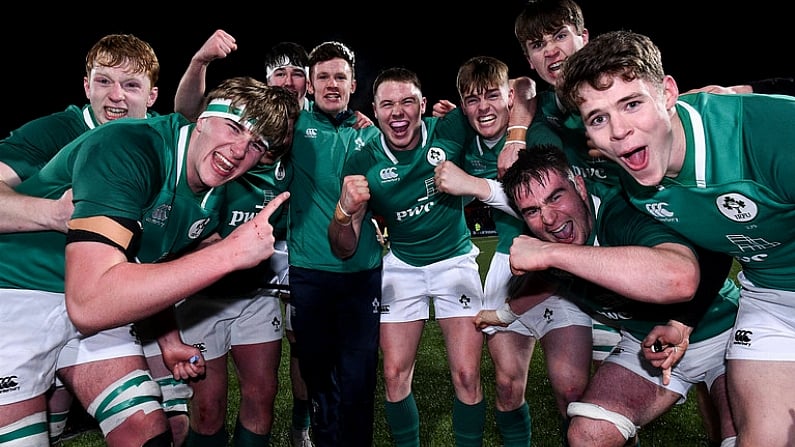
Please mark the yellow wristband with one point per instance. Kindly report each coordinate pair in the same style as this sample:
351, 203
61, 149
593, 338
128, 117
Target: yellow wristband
516, 133
339, 205
342, 217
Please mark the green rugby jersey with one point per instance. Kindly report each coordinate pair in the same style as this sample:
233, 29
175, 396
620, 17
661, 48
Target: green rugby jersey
132, 169
735, 193
552, 125
27, 148
320, 148
617, 223
245, 197
425, 225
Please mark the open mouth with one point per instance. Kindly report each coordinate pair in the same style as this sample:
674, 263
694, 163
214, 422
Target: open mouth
223, 164
636, 159
114, 113
399, 127
563, 233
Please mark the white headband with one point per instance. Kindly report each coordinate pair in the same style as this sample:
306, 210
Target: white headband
283, 62
222, 108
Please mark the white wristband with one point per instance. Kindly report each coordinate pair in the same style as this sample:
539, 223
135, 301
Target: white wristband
505, 314
342, 210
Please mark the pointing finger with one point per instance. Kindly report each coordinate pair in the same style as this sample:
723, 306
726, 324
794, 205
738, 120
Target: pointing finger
274, 204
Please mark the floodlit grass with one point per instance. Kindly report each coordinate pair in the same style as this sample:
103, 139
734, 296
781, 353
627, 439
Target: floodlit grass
434, 393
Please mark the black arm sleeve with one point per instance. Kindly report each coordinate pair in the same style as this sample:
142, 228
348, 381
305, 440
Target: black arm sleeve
77, 235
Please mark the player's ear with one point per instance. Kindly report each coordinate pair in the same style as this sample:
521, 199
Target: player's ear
579, 185
150, 101
670, 91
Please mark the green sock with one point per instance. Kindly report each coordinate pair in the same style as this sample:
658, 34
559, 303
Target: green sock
514, 426
404, 422
468, 423
300, 414
219, 438
246, 438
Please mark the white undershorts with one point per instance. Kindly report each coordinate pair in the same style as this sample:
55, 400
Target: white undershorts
216, 324
553, 313
108, 344
765, 324
704, 361
34, 326
453, 285
495, 291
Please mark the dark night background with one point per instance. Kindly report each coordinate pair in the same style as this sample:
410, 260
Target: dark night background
44, 50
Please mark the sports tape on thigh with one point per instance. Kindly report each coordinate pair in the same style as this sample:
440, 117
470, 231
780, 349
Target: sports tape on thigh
30, 431
593, 411
132, 393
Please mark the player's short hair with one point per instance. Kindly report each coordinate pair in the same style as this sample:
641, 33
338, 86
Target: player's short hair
116, 49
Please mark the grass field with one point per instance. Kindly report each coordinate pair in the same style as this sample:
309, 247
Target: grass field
433, 392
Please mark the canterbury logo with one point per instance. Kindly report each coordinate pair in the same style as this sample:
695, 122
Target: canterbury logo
388, 174
8, 382
658, 210
311, 133
742, 337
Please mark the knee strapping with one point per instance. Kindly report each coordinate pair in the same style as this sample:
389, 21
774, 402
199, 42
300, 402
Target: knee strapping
132, 393
30, 431
591, 411
176, 395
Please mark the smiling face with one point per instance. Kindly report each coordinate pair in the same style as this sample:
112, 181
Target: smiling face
632, 123
118, 92
488, 111
556, 210
220, 151
398, 107
332, 85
